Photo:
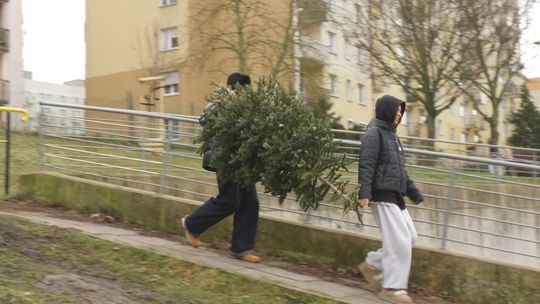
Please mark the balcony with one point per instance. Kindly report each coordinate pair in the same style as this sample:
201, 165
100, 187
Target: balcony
313, 51
312, 12
474, 122
4, 40
4, 92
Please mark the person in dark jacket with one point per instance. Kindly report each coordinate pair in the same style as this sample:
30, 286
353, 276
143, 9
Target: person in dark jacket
232, 198
384, 181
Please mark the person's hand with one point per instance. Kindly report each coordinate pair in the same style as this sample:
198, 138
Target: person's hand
363, 202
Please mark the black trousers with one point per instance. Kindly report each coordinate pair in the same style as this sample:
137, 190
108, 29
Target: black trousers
232, 198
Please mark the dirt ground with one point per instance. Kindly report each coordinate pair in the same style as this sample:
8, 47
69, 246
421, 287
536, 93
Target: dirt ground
100, 290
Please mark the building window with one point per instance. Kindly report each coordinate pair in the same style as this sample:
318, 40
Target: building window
361, 96
386, 79
333, 85
331, 5
349, 91
167, 2
452, 134
440, 127
350, 124
476, 139
357, 13
464, 137
332, 42
359, 57
462, 110
171, 83
347, 49
169, 38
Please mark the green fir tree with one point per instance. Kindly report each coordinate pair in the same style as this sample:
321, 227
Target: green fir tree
526, 122
263, 134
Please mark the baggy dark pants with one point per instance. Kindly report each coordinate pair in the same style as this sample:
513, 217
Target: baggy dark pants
232, 198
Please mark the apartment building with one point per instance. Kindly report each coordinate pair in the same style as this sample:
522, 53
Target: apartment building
11, 59
160, 38
533, 84
61, 120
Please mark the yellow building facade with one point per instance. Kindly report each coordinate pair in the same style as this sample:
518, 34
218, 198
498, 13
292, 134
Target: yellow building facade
127, 40
153, 38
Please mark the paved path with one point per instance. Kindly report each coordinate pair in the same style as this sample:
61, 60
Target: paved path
208, 258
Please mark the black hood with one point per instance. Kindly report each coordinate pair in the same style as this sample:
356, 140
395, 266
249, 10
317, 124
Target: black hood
386, 107
238, 79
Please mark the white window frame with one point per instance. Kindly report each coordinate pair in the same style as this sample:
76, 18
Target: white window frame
333, 85
357, 13
462, 110
440, 127
464, 137
163, 3
171, 83
361, 94
332, 48
168, 38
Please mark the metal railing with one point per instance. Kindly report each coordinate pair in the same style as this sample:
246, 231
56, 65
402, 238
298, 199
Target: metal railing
489, 213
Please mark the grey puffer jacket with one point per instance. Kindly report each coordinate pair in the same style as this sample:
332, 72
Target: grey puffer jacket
381, 168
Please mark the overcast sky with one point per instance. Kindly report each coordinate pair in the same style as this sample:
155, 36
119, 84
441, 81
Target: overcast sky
54, 40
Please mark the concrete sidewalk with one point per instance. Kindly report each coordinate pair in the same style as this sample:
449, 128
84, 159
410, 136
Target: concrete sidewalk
208, 258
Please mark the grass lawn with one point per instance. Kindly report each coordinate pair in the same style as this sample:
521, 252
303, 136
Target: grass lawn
42, 264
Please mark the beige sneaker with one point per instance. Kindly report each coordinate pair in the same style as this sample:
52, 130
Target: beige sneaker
395, 296
372, 275
193, 240
250, 258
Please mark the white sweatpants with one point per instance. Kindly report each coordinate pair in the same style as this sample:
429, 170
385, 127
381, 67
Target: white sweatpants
398, 234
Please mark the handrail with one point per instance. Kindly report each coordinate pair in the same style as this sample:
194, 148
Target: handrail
185, 118
17, 110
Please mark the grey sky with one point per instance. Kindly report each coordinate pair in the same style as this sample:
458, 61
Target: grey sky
54, 41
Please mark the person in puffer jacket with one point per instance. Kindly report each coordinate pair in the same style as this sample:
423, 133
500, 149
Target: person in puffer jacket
384, 181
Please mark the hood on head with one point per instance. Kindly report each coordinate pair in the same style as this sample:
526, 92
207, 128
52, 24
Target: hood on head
238, 79
386, 107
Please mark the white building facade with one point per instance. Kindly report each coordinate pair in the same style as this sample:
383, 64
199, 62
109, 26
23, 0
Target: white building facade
71, 92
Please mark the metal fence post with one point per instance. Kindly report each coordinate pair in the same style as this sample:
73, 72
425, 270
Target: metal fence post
448, 204
41, 140
142, 144
168, 134
8, 143
535, 157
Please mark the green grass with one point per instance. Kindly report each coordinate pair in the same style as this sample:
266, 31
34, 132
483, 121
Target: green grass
36, 252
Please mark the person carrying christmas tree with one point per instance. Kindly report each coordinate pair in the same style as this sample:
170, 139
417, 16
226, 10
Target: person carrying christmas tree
232, 198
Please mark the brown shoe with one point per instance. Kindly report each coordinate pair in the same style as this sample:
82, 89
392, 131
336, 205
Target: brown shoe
372, 275
193, 240
395, 296
251, 258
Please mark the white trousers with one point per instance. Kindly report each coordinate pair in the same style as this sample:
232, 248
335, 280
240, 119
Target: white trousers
398, 235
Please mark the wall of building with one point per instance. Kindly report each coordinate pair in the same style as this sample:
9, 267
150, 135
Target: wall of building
69, 120
11, 62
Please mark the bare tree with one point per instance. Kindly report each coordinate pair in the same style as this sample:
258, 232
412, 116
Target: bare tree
252, 34
490, 60
411, 43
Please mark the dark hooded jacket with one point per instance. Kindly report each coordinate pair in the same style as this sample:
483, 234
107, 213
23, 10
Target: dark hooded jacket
381, 168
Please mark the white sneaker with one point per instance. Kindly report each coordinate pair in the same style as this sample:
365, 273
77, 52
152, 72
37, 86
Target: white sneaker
372, 275
395, 296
